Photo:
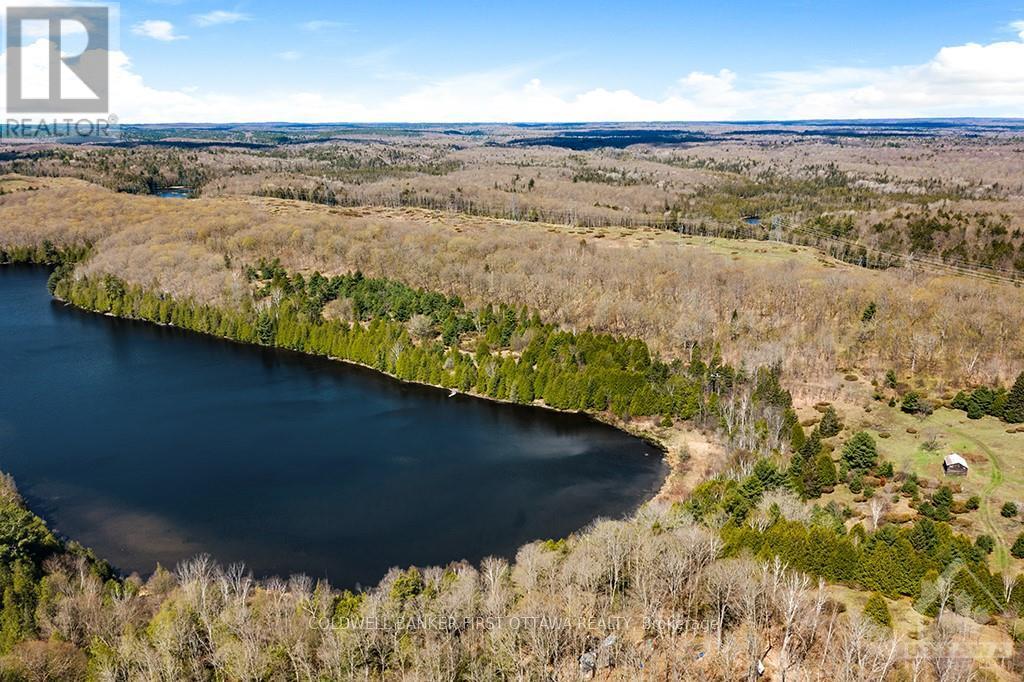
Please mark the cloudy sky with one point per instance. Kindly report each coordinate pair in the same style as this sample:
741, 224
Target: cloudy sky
182, 60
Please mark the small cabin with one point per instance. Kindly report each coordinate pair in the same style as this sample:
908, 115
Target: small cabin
954, 465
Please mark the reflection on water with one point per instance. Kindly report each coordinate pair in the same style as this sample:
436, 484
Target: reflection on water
150, 444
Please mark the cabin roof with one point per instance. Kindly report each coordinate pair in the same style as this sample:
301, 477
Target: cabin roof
953, 460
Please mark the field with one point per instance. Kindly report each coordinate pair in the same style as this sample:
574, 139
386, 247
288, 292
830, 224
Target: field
996, 457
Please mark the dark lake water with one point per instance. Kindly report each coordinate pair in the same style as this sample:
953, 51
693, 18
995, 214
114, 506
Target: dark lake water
152, 444
174, 193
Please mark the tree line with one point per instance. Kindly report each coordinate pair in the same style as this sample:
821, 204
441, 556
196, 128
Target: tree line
501, 352
1007, 405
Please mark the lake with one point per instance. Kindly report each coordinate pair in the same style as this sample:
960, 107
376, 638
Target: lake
151, 444
174, 193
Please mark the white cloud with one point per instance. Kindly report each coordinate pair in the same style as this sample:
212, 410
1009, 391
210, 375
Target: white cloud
289, 55
218, 17
1019, 27
321, 25
157, 29
962, 80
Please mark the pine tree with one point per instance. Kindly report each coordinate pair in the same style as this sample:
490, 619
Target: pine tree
1013, 412
810, 484
877, 611
826, 469
860, 452
911, 403
923, 536
811, 447
943, 502
17, 617
1018, 547
797, 437
830, 424
980, 402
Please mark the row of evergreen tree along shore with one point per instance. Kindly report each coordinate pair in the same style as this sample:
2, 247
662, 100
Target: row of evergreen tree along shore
500, 352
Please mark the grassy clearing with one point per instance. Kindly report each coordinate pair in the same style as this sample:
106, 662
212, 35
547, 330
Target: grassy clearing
996, 458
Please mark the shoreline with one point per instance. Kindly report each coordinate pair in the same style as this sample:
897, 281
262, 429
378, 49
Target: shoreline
660, 470
680, 473
684, 468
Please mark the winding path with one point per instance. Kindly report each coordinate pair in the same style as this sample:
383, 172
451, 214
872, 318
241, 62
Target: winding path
988, 514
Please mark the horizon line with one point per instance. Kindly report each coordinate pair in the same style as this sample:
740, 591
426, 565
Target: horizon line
909, 119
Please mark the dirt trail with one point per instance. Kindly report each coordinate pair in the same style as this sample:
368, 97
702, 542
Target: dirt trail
988, 513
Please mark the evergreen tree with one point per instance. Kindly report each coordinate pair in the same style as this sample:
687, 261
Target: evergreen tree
1013, 411
826, 469
877, 610
830, 424
860, 452
809, 483
17, 618
942, 500
960, 401
1018, 547
797, 437
802, 461
911, 403
265, 329
811, 447
980, 402
817, 475
923, 536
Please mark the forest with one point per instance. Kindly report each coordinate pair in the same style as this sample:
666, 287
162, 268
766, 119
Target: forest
760, 302
942, 195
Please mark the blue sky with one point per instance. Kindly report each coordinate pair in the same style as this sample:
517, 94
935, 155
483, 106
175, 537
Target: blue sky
579, 44
199, 60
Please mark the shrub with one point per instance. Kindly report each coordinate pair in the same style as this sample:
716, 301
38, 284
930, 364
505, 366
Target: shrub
877, 611
911, 403
1009, 510
985, 543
